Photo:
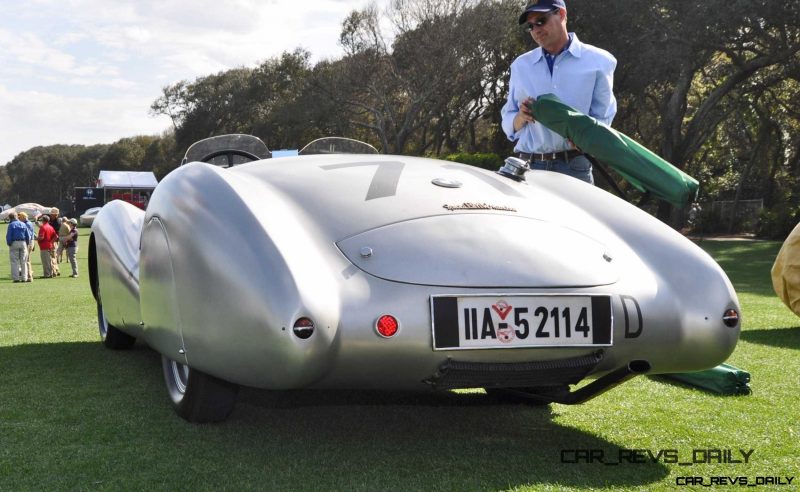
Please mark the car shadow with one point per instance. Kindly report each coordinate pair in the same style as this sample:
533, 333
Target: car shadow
498, 445
373, 439
788, 337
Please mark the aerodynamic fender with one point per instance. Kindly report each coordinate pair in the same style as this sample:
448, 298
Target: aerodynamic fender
246, 265
114, 263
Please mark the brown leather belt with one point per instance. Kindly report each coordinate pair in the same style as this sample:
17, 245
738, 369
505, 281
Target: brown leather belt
564, 155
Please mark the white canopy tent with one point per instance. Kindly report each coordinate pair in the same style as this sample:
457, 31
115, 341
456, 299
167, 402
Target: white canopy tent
130, 186
126, 179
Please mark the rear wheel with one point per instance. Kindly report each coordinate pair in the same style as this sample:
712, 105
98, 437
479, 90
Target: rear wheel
197, 396
112, 337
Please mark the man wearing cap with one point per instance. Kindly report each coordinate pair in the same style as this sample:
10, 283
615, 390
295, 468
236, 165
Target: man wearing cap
18, 237
581, 75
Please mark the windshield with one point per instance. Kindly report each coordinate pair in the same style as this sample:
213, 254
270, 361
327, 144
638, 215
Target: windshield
337, 145
227, 150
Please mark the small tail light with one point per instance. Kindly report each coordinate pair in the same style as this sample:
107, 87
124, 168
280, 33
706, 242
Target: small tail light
303, 328
730, 318
387, 326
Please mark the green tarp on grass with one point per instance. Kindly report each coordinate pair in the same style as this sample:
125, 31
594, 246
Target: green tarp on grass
724, 379
645, 170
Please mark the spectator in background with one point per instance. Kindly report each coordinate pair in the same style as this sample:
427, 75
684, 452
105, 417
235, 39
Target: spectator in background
23, 217
18, 237
55, 223
47, 238
63, 231
71, 244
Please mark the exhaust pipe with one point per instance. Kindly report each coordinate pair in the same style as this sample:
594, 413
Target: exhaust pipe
605, 383
596, 387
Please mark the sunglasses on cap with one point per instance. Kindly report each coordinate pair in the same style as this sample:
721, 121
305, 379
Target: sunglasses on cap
528, 26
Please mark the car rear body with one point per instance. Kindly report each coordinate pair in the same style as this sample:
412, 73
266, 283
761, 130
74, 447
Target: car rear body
224, 262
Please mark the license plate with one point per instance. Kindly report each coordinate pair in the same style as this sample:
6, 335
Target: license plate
488, 322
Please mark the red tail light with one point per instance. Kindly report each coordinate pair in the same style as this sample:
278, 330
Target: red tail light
387, 326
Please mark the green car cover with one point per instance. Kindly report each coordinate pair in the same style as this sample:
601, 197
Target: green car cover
724, 379
645, 170
648, 173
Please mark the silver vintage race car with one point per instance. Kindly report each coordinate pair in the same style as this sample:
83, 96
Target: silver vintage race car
330, 270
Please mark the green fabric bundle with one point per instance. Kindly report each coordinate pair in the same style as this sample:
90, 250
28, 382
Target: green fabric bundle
724, 379
645, 170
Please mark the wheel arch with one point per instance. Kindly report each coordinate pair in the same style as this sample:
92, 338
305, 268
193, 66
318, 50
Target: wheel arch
92, 260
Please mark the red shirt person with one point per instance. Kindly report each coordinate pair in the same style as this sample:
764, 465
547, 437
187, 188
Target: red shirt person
47, 235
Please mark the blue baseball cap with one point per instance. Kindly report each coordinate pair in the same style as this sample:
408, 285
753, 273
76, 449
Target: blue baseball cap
541, 6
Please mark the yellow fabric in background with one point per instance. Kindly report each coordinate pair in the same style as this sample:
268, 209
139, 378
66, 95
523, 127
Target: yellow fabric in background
786, 271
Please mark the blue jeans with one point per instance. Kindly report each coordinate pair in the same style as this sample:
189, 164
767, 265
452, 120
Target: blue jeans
577, 167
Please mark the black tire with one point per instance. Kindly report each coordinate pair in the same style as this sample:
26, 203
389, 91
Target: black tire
197, 396
112, 337
521, 395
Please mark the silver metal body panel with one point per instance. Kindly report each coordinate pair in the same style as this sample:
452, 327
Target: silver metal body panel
116, 235
230, 258
443, 251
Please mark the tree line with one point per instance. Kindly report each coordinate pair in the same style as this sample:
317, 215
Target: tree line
710, 85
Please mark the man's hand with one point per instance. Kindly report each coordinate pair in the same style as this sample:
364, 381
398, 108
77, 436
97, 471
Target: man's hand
524, 116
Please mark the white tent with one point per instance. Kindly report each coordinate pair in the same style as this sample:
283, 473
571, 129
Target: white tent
130, 186
127, 179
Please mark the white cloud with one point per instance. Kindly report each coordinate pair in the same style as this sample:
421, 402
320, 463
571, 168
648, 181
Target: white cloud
29, 48
70, 38
86, 71
31, 118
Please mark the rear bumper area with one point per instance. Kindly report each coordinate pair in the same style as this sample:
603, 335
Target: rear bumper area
543, 382
455, 374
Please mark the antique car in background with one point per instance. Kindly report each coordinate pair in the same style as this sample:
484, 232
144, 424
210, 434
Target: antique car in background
365, 270
32, 210
87, 218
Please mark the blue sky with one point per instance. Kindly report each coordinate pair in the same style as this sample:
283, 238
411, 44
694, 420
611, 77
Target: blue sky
86, 71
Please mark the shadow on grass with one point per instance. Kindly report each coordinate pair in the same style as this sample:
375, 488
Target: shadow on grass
774, 337
93, 415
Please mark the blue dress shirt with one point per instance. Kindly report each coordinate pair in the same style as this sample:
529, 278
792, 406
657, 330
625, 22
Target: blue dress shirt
583, 77
17, 231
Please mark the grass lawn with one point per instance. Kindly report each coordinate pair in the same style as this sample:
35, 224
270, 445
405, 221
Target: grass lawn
75, 416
